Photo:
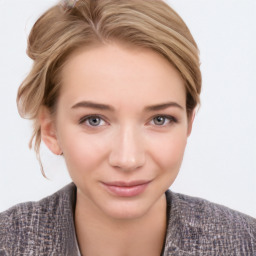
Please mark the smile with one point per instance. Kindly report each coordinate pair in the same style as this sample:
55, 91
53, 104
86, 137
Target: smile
126, 189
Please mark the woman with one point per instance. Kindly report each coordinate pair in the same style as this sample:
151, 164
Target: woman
114, 88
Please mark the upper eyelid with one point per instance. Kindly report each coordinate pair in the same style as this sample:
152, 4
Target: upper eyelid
165, 116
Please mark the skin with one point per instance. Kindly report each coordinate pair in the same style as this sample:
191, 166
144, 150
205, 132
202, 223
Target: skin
124, 143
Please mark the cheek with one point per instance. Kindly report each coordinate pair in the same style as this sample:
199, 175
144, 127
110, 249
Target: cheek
168, 151
82, 153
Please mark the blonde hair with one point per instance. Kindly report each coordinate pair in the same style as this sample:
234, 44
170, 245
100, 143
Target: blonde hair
63, 29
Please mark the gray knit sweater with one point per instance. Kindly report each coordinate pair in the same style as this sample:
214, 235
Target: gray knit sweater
195, 227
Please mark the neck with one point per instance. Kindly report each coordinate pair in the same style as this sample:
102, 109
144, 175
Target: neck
99, 234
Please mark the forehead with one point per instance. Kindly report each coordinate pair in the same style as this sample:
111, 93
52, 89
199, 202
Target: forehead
120, 73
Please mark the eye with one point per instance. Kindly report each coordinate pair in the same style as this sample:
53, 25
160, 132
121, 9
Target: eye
163, 120
92, 121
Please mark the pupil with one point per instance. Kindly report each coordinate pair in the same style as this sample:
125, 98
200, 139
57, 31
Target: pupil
94, 121
159, 120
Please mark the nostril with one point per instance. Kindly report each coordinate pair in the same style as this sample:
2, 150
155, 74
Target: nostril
126, 163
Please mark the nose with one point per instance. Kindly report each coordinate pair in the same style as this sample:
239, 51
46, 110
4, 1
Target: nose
127, 151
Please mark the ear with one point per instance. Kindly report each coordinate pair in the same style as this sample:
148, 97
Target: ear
48, 131
191, 121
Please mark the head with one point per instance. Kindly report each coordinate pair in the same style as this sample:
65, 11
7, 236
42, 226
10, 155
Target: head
136, 41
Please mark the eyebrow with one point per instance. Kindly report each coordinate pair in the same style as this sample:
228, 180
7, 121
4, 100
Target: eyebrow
90, 104
163, 106
99, 106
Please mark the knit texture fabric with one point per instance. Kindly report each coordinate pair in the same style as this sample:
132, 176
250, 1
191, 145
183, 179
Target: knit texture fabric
195, 227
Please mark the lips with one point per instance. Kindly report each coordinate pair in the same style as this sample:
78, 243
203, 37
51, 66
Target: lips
126, 189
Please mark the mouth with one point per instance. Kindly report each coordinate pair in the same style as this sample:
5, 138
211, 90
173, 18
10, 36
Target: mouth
126, 189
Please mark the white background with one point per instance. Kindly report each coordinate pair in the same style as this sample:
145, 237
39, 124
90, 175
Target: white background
220, 160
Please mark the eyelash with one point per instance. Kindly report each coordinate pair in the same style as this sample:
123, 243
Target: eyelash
166, 118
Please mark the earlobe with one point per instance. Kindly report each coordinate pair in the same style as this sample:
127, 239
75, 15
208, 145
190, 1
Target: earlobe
191, 121
48, 131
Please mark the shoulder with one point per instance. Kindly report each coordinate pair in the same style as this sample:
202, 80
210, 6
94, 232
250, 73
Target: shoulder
210, 227
27, 225
208, 212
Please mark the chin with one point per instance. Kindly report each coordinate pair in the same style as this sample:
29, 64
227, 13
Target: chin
126, 209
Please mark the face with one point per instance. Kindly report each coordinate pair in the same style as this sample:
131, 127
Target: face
122, 126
